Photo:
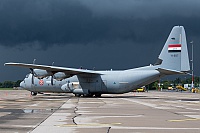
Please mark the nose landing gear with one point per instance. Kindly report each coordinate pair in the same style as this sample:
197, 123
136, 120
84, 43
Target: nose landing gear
33, 93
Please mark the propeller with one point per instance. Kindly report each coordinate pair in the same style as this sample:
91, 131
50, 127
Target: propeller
33, 73
32, 78
52, 80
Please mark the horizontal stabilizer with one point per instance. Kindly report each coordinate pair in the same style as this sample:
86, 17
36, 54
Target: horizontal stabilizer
169, 72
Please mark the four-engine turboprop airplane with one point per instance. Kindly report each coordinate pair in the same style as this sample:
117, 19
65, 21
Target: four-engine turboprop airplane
173, 59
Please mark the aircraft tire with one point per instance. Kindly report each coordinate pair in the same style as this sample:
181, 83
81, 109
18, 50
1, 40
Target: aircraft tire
33, 93
77, 95
88, 95
85, 95
97, 95
91, 95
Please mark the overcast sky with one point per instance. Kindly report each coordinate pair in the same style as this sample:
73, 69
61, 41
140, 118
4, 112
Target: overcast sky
105, 34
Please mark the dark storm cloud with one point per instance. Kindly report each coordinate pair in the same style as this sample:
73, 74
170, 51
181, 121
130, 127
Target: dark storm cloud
50, 22
104, 34
42, 21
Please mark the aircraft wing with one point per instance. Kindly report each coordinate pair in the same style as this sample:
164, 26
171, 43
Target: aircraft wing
54, 69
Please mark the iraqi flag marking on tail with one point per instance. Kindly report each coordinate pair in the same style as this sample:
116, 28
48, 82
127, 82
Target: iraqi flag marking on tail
174, 48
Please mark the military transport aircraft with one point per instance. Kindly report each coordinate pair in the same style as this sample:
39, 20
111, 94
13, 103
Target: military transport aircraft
172, 60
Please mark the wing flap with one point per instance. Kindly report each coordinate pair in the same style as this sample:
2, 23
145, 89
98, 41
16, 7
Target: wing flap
71, 71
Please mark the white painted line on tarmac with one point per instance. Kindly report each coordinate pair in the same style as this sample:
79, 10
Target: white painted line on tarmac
154, 128
193, 116
185, 112
12, 126
140, 102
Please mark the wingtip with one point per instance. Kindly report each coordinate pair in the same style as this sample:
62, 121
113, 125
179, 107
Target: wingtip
9, 63
5, 64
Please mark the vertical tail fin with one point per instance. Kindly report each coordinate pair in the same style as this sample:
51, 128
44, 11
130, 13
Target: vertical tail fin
174, 54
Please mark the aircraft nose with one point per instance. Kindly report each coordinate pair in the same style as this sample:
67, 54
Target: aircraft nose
22, 84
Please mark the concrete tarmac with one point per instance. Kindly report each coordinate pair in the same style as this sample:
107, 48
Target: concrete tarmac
152, 112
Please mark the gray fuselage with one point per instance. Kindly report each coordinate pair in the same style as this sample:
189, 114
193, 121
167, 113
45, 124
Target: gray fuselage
114, 82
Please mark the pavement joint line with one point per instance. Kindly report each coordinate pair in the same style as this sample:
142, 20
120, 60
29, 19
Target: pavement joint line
89, 125
108, 129
48, 116
75, 112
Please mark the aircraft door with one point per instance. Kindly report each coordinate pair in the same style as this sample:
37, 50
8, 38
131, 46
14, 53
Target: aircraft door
98, 85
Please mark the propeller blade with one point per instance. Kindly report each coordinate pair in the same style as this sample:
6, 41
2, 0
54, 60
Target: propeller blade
32, 72
32, 79
51, 80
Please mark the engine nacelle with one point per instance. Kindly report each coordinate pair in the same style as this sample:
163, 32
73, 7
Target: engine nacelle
39, 73
66, 87
60, 76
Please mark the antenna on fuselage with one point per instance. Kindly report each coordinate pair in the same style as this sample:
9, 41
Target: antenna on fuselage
34, 61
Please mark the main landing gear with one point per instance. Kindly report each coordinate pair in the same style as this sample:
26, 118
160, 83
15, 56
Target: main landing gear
77, 95
97, 95
88, 95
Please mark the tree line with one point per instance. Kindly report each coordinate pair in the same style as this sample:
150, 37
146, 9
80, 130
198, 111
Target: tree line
10, 84
173, 83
